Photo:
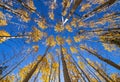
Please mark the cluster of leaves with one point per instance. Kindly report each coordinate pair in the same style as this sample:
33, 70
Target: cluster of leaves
70, 41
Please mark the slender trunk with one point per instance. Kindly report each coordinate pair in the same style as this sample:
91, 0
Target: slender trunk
108, 3
79, 72
65, 70
15, 66
80, 69
96, 69
59, 68
50, 72
29, 75
76, 4
37, 74
102, 58
82, 58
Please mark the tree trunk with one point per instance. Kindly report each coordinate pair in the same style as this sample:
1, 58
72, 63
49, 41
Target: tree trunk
80, 69
76, 4
102, 58
65, 70
29, 75
59, 68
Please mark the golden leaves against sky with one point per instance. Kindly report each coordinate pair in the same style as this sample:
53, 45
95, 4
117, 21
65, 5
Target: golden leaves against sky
59, 28
85, 7
3, 22
69, 28
73, 49
36, 48
60, 40
36, 35
31, 4
23, 14
50, 41
3, 36
42, 24
63, 26
51, 15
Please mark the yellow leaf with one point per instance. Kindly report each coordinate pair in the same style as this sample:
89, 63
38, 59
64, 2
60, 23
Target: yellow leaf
81, 64
36, 47
31, 4
68, 27
51, 15
36, 35
3, 33
73, 22
69, 41
85, 6
64, 51
73, 49
59, 40
50, 41
3, 22
109, 47
23, 14
59, 28
41, 24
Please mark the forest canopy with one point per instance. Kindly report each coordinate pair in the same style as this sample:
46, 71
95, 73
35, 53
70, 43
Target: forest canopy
59, 41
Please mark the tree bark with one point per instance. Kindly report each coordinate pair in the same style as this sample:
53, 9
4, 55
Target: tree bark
76, 4
65, 70
29, 75
102, 58
80, 69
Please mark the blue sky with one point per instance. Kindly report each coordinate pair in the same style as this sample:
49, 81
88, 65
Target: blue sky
12, 46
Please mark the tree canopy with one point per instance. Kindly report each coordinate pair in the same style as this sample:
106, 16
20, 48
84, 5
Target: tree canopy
59, 41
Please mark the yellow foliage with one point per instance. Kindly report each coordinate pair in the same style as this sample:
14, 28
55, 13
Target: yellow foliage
114, 77
31, 4
44, 78
64, 51
69, 41
78, 38
36, 35
41, 24
39, 57
50, 41
3, 22
9, 78
81, 64
91, 62
73, 22
93, 80
24, 71
92, 24
55, 65
3, 33
97, 1
51, 15
59, 28
23, 14
85, 7
53, 5
109, 47
73, 49
80, 24
68, 27
64, 13
36, 47
59, 40
67, 56
66, 3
